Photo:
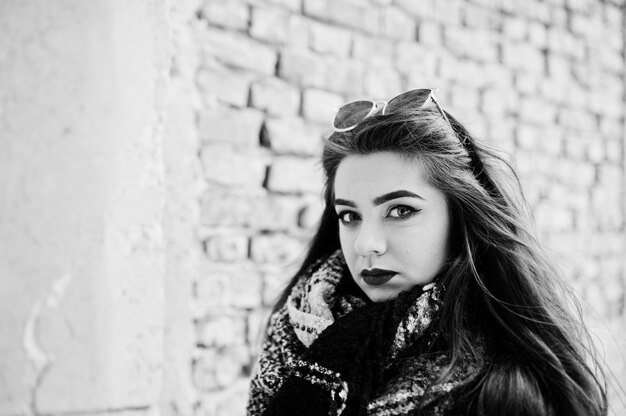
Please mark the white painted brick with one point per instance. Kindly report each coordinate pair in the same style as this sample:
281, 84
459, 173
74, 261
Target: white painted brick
538, 34
497, 75
226, 86
219, 367
238, 287
430, 33
523, 57
293, 136
227, 248
577, 119
425, 9
559, 67
382, 83
303, 67
238, 127
528, 137
224, 166
396, 24
325, 38
274, 283
482, 17
311, 214
222, 329
239, 50
414, 58
515, 28
538, 111
228, 401
319, 105
270, 24
276, 248
474, 44
361, 17
372, 50
295, 175
267, 212
232, 14
549, 217
275, 96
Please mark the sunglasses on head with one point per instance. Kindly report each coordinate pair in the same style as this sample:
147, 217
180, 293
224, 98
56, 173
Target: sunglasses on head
349, 115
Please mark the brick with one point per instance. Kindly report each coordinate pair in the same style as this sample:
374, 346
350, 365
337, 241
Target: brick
275, 96
515, 28
270, 24
595, 150
221, 330
581, 6
226, 86
295, 175
528, 137
361, 17
527, 84
219, 367
559, 67
578, 174
577, 119
319, 105
613, 150
303, 67
266, 212
482, 17
396, 24
463, 71
498, 102
538, 34
239, 51
274, 284
226, 167
382, 83
497, 75
292, 5
329, 39
228, 14
292, 136
575, 146
238, 127
412, 58
307, 69
464, 99
221, 289
311, 214
227, 248
549, 217
377, 51
430, 33
538, 111
448, 12
469, 43
257, 319
558, 17
605, 200
230, 400
523, 57
424, 10
276, 248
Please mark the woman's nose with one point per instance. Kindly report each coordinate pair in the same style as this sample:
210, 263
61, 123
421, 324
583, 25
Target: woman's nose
370, 239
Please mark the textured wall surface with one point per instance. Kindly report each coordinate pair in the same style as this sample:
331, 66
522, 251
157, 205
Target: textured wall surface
159, 177
542, 79
82, 200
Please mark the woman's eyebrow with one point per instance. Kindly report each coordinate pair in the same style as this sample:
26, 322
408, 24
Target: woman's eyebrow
402, 193
396, 194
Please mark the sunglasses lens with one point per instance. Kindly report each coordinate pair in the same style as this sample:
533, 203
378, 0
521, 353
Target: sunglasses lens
351, 114
411, 99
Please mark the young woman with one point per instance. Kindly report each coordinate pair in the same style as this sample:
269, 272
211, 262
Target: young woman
424, 291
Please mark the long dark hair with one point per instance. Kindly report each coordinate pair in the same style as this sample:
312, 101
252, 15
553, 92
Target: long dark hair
502, 291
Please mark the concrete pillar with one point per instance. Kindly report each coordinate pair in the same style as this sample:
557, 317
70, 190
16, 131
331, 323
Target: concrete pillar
82, 199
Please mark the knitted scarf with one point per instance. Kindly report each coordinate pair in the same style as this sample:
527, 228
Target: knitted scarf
329, 351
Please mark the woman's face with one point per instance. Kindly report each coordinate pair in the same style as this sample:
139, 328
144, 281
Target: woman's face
394, 225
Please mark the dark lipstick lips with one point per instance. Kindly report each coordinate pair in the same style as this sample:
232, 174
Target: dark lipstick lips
375, 277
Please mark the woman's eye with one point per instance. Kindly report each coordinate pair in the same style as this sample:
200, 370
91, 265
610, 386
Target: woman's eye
347, 217
401, 211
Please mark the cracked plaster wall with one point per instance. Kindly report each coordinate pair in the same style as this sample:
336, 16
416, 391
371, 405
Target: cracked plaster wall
82, 198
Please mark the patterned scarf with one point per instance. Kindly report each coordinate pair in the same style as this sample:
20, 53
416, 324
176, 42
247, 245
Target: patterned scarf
329, 351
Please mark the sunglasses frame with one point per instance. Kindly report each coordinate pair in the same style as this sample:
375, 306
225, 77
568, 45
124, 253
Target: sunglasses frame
375, 105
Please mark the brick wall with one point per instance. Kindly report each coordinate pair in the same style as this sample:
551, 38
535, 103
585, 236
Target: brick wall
544, 80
